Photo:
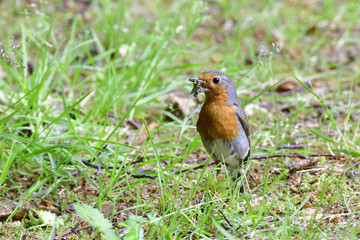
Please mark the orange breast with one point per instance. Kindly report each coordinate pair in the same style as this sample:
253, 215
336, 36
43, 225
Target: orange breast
217, 121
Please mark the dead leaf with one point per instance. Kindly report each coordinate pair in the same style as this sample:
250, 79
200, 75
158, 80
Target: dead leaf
249, 61
180, 104
355, 116
288, 84
48, 206
278, 37
286, 107
229, 26
312, 30
143, 134
8, 208
301, 164
310, 212
295, 53
2, 72
107, 208
307, 205
214, 58
259, 32
30, 67
26, 130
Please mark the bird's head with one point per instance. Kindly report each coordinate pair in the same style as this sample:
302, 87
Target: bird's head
216, 85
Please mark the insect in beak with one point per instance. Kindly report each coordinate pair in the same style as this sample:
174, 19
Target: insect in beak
194, 79
196, 86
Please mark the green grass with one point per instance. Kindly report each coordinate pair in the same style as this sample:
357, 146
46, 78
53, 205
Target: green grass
72, 73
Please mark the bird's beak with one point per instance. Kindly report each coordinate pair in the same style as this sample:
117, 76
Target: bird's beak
206, 90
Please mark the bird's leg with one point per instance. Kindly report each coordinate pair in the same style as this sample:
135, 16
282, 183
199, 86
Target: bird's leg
236, 178
246, 183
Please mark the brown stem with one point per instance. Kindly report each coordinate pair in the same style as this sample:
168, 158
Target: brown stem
295, 155
226, 219
193, 168
292, 146
141, 175
71, 231
129, 121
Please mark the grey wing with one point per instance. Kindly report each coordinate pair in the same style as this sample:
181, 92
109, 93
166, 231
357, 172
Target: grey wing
243, 119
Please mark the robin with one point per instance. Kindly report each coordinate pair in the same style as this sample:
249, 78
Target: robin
222, 124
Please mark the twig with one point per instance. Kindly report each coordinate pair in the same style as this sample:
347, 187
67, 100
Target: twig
330, 134
72, 231
298, 167
139, 160
144, 170
76, 226
129, 121
193, 168
98, 167
313, 181
89, 164
141, 175
295, 155
225, 226
293, 146
254, 179
133, 123
226, 219
295, 168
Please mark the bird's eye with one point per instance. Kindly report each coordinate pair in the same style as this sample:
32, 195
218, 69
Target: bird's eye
216, 80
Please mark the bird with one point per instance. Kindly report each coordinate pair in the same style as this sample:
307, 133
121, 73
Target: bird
223, 124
